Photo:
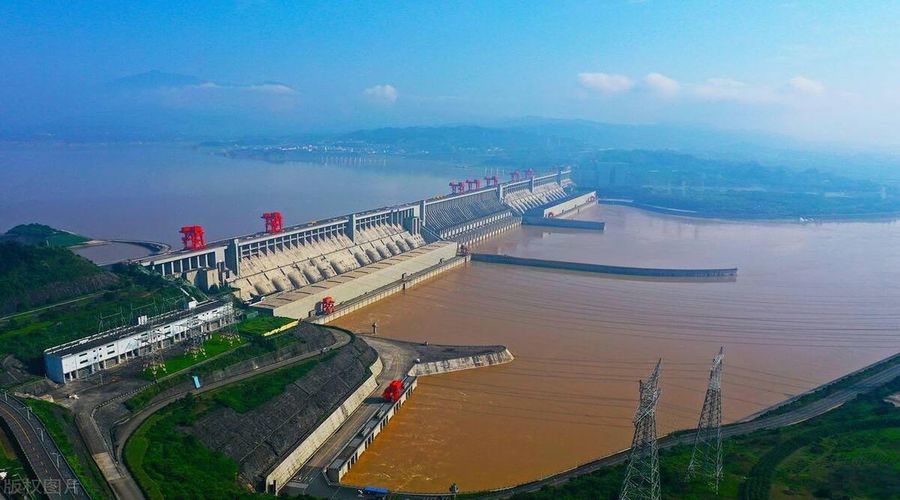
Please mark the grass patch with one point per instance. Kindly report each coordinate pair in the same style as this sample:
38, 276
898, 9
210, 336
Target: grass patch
60, 424
843, 465
261, 325
170, 463
257, 346
167, 460
253, 392
849, 452
214, 346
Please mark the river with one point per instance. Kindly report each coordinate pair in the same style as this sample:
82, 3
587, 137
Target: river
811, 302
149, 191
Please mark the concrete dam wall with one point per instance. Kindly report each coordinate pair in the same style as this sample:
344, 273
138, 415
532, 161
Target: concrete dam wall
600, 268
501, 356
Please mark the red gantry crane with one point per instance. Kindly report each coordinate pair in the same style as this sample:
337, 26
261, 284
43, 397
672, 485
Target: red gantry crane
274, 222
193, 238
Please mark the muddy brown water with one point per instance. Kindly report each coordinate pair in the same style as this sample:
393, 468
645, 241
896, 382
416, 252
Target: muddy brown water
811, 303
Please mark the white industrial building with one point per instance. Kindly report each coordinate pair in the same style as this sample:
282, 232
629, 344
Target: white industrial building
83, 357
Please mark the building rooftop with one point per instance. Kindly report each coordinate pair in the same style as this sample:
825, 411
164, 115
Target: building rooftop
107, 336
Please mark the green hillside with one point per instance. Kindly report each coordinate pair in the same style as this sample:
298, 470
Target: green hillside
39, 234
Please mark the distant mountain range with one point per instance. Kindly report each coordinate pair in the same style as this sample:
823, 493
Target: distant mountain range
540, 139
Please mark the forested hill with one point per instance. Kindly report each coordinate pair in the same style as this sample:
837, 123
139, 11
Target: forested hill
31, 276
39, 234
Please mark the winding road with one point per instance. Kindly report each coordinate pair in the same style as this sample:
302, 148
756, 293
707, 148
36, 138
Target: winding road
55, 478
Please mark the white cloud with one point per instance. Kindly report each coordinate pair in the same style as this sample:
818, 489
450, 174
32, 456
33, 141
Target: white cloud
727, 89
605, 83
662, 84
806, 86
385, 94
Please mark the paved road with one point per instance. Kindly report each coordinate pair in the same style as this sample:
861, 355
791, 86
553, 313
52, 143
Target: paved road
51, 306
117, 475
801, 414
55, 477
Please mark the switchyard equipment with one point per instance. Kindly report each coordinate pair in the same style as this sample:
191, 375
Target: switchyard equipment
393, 391
84, 357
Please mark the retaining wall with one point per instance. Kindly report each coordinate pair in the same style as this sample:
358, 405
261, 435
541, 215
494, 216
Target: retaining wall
464, 363
348, 457
599, 268
279, 476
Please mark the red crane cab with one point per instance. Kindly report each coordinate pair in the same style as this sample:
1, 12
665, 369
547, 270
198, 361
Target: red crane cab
394, 391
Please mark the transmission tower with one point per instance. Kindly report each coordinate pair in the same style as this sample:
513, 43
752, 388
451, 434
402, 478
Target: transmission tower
195, 339
153, 360
110, 321
642, 475
706, 459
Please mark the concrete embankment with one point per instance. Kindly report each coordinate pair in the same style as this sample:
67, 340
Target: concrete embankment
366, 297
529, 220
501, 356
604, 269
564, 206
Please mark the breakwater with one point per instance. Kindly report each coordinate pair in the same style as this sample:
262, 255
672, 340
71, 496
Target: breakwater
604, 269
501, 356
529, 220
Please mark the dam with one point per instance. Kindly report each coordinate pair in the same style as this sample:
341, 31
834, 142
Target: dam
320, 270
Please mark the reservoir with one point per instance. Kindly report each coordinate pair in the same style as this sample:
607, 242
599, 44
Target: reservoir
811, 302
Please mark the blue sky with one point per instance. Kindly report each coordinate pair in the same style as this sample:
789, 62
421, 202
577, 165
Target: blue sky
816, 70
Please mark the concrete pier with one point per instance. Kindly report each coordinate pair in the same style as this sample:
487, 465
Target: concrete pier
464, 363
604, 269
